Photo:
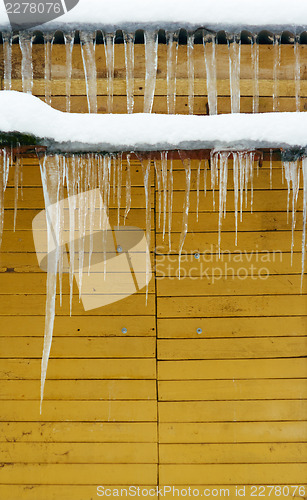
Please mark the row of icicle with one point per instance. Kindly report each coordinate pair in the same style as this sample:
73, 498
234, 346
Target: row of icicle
88, 49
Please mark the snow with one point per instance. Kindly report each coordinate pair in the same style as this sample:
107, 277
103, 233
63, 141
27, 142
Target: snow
213, 14
27, 114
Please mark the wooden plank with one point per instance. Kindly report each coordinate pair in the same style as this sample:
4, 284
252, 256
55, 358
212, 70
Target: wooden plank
85, 347
79, 411
79, 326
85, 369
182, 307
232, 411
223, 390
78, 474
267, 347
80, 390
232, 474
233, 432
79, 453
78, 432
233, 327
251, 453
232, 369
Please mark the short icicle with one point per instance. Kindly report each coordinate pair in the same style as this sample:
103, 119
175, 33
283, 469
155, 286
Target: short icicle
88, 46
151, 65
25, 43
292, 176
210, 62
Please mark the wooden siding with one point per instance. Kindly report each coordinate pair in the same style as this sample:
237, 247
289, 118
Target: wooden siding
160, 405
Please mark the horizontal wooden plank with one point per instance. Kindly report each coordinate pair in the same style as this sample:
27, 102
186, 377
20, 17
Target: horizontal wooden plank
233, 432
85, 347
79, 326
79, 390
258, 282
232, 369
81, 369
266, 347
232, 411
232, 327
224, 390
79, 453
251, 453
78, 432
266, 305
79, 411
78, 474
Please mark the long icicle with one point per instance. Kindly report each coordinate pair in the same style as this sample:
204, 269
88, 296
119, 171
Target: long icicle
234, 46
7, 56
128, 188
69, 39
109, 39
88, 45
25, 43
48, 39
255, 69
151, 65
222, 193
304, 169
185, 220
210, 62
172, 56
297, 75
190, 64
276, 70
146, 163
129, 39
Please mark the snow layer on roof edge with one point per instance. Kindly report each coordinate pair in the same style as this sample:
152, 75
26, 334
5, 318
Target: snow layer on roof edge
230, 15
26, 114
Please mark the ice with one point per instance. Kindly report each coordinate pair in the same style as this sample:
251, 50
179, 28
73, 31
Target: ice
4, 172
128, 188
129, 62
190, 64
271, 169
276, 71
69, 39
255, 72
146, 164
158, 170
234, 46
17, 180
292, 176
119, 185
304, 170
223, 157
164, 187
170, 203
25, 42
172, 55
186, 207
48, 39
109, 39
297, 73
88, 46
7, 60
151, 65
198, 187
210, 62
236, 190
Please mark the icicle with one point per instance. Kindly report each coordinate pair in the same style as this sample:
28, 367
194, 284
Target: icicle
205, 176
109, 39
7, 56
234, 46
164, 187
170, 203
304, 169
3, 182
71, 178
128, 188
25, 43
48, 39
129, 62
276, 70
271, 168
69, 45
210, 62
297, 74
16, 185
242, 169
151, 64
255, 70
198, 188
185, 219
88, 46
214, 156
146, 176
190, 63
119, 184
158, 170
236, 190
172, 55
292, 175
222, 192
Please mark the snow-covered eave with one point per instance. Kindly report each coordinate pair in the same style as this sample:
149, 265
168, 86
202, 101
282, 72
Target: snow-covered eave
229, 15
27, 115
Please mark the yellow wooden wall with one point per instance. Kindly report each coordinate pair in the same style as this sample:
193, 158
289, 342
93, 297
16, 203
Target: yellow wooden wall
161, 405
